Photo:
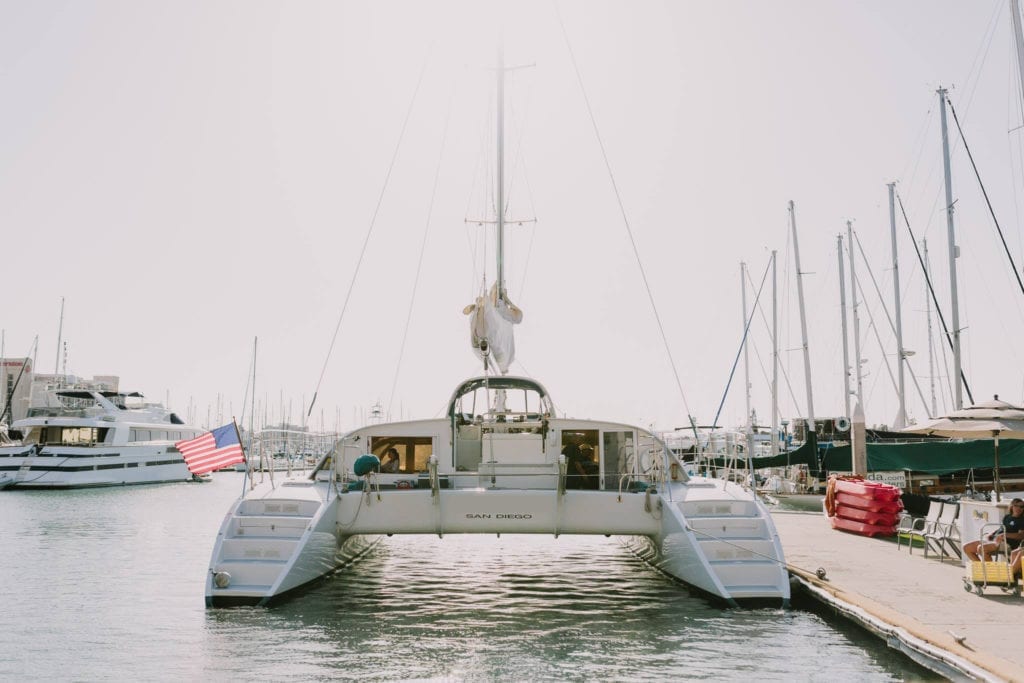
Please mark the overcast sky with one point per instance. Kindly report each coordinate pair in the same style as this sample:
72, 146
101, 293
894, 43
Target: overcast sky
191, 176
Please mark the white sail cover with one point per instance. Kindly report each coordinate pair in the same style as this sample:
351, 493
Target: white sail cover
490, 327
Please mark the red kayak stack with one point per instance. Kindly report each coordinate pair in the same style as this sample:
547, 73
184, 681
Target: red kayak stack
863, 507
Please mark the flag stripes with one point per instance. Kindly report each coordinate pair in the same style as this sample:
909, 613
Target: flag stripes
213, 450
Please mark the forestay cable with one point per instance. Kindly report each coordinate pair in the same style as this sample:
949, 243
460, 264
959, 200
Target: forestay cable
625, 219
369, 232
423, 247
743, 341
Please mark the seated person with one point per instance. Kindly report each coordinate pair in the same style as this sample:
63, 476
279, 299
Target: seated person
571, 451
391, 463
588, 468
1015, 560
1012, 534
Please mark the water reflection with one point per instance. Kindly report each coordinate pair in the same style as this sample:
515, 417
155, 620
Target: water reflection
108, 585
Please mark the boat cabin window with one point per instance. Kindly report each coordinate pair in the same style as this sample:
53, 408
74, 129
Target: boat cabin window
66, 436
618, 457
413, 451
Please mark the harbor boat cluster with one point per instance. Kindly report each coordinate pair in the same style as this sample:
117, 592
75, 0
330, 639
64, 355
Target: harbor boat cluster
708, 506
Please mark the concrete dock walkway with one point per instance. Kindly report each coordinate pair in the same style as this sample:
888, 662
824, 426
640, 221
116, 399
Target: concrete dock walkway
922, 599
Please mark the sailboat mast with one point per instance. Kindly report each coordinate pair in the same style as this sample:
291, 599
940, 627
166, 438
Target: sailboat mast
1018, 40
60, 333
775, 357
958, 398
931, 343
901, 416
746, 355
846, 343
746, 363
856, 317
803, 320
500, 190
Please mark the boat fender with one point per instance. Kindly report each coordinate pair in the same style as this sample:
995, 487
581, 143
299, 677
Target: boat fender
830, 497
365, 464
843, 424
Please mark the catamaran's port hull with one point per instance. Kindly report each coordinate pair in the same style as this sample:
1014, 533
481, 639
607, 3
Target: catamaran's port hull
312, 561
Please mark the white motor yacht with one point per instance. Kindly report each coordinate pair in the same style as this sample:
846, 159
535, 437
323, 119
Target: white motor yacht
88, 438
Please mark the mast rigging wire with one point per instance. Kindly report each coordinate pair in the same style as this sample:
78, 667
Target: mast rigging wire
888, 317
984, 193
369, 231
625, 218
935, 299
423, 248
743, 341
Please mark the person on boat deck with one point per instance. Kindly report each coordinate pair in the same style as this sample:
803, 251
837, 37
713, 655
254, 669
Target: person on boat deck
391, 463
1013, 534
571, 451
587, 468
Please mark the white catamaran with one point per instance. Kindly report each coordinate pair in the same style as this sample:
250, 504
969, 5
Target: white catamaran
500, 461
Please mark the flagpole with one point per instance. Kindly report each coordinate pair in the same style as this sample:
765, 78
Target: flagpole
245, 458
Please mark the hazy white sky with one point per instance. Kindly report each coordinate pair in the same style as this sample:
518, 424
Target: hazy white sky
194, 175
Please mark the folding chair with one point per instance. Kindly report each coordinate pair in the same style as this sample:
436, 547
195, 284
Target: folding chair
913, 530
937, 536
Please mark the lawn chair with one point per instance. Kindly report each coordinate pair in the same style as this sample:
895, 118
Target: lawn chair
913, 529
939, 535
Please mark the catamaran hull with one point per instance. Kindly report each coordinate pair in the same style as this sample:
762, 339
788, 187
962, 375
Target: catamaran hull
283, 540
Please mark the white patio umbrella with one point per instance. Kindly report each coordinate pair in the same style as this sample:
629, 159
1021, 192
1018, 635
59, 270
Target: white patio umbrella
993, 418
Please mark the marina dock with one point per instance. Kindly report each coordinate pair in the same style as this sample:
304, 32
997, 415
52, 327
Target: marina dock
917, 604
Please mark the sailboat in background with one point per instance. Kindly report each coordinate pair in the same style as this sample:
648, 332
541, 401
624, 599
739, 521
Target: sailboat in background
499, 461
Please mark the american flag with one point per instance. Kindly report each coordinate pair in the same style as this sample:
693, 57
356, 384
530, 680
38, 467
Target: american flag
213, 450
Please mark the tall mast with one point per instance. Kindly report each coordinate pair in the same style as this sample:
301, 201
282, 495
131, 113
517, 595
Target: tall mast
856, 317
500, 190
846, 343
746, 363
60, 332
901, 415
958, 398
931, 344
775, 358
746, 355
803, 320
1018, 40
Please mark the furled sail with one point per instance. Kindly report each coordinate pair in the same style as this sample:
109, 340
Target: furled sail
491, 318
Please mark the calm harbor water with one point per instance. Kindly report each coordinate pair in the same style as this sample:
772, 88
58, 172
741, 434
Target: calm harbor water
108, 585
